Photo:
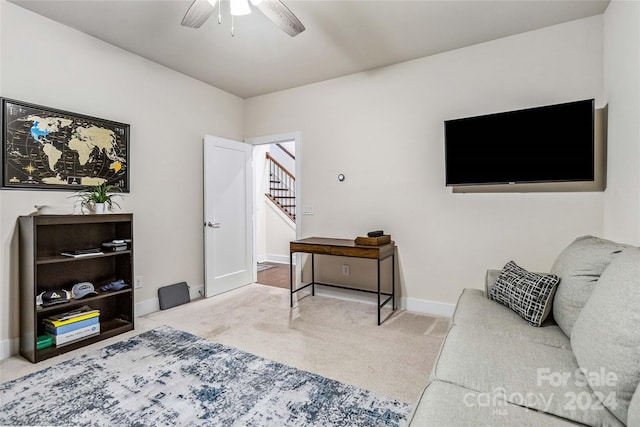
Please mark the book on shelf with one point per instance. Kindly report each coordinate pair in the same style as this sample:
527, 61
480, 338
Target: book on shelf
114, 247
64, 329
76, 335
81, 311
74, 254
58, 323
82, 251
63, 319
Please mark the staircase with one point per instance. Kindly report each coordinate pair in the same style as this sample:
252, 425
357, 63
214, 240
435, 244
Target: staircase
282, 187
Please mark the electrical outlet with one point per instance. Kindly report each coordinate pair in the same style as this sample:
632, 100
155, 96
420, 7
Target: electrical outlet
307, 210
137, 282
345, 269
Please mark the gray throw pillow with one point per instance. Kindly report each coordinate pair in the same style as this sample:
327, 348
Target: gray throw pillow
528, 294
606, 335
579, 266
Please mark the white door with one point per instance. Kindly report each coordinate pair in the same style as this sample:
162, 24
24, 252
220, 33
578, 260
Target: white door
228, 215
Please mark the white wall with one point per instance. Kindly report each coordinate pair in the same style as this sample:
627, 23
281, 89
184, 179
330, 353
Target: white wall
622, 92
384, 130
273, 230
46, 63
279, 233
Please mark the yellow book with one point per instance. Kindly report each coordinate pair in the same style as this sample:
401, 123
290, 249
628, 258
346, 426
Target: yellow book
58, 323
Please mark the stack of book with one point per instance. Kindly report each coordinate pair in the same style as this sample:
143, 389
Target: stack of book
76, 253
76, 325
115, 245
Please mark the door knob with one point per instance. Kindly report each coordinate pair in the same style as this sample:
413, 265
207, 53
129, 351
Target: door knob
215, 225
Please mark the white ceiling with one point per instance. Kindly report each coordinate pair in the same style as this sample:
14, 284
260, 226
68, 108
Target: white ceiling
341, 37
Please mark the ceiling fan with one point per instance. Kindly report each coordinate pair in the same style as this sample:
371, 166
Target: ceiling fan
274, 10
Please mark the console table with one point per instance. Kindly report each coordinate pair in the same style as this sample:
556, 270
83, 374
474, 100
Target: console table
345, 248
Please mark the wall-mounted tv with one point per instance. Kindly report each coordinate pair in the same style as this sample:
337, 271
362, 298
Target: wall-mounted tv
544, 144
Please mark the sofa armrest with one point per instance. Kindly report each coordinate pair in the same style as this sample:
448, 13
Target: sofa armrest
490, 280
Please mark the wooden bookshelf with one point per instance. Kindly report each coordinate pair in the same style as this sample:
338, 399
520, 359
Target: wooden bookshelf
42, 239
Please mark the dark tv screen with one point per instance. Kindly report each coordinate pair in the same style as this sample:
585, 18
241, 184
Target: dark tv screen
544, 144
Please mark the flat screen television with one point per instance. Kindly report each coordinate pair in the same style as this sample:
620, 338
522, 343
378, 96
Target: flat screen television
545, 144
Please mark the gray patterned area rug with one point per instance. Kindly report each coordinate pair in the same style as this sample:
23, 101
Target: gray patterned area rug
169, 377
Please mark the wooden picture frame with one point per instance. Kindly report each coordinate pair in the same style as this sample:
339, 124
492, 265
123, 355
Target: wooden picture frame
49, 149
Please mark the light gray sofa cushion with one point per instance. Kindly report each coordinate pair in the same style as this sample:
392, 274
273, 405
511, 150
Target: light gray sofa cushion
520, 372
447, 405
634, 409
474, 310
579, 266
606, 335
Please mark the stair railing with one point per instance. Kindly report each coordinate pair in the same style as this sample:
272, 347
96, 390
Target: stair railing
283, 148
282, 188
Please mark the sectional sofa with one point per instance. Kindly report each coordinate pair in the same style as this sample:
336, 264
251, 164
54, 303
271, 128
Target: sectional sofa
581, 366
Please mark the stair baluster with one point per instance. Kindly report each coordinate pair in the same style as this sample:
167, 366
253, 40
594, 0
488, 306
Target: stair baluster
282, 188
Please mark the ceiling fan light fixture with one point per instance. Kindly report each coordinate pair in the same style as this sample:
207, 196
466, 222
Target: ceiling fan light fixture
274, 10
239, 7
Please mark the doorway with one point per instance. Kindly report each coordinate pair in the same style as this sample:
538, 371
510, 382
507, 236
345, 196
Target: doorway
277, 205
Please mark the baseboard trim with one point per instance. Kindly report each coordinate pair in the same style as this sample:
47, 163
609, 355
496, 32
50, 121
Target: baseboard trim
152, 305
428, 307
196, 292
280, 259
145, 307
347, 295
410, 304
10, 347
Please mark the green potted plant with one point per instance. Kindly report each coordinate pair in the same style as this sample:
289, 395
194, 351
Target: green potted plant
98, 198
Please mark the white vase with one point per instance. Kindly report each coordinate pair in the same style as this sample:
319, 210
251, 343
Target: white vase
99, 208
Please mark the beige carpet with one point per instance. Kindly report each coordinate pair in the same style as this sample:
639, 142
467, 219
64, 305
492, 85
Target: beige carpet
335, 338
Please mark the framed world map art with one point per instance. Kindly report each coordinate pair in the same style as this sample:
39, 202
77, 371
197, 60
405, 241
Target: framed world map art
45, 148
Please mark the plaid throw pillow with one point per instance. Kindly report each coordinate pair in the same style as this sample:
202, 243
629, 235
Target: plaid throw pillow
526, 293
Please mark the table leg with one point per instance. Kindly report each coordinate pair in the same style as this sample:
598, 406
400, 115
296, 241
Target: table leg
393, 280
378, 292
313, 275
291, 276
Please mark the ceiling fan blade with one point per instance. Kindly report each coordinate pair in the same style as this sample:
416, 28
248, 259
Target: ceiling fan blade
198, 13
280, 15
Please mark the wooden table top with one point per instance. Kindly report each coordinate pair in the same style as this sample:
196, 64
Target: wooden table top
341, 247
